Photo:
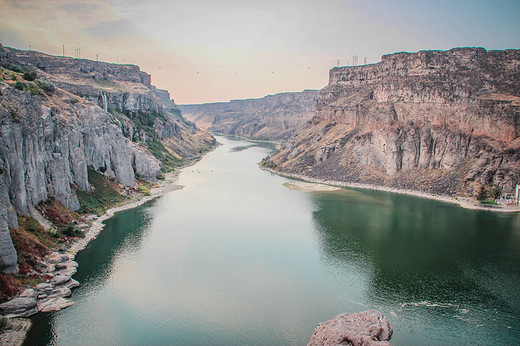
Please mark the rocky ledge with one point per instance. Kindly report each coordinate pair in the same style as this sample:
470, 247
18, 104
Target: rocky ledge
47, 296
363, 328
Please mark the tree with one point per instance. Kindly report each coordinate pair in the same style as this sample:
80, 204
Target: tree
496, 192
482, 193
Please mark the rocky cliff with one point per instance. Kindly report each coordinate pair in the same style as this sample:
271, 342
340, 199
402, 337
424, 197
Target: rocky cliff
60, 116
273, 117
442, 122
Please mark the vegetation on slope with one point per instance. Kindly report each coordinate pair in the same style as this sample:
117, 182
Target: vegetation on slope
168, 160
104, 194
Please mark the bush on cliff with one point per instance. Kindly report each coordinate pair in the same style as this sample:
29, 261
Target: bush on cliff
72, 231
16, 68
482, 193
29, 75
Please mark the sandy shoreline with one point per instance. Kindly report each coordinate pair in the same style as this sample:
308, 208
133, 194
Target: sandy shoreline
462, 201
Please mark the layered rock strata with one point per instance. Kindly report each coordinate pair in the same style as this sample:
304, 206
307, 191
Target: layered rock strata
442, 122
273, 117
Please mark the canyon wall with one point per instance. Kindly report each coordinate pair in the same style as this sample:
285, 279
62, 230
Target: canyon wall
74, 114
442, 122
273, 117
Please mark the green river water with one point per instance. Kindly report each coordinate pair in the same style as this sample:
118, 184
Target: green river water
237, 258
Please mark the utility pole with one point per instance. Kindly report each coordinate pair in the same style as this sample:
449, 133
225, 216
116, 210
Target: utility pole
365, 61
355, 60
63, 50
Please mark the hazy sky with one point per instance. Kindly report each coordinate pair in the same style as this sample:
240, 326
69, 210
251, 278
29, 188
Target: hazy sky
217, 50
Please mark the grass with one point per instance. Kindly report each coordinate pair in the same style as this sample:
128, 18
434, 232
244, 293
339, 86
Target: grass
103, 195
105, 83
35, 230
168, 160
489, 202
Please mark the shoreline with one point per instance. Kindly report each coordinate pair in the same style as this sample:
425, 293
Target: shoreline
166, 186
464, 202
57, 299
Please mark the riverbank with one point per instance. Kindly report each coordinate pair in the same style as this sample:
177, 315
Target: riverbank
166, 186
464, 202
59, 267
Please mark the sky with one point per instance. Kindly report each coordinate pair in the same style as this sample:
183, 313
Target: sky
217, 50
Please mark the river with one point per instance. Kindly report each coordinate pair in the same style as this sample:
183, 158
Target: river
236, 257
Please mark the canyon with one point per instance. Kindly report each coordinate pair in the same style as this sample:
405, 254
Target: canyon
273, 117
62, 117
439, 122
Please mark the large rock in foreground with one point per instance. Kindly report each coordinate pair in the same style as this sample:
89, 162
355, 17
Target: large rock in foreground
363, 328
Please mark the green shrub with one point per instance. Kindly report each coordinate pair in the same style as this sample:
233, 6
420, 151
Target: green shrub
266, 162
482, 193
145, 190
20, 86
33, 227
29, 75
72, 231
496, 192
4, 323
45, 86
17, 68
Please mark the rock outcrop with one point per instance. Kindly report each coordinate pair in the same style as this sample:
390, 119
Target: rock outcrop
273, 117
363, 328
46, 296
441, 122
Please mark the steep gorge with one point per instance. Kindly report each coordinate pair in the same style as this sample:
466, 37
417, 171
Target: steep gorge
61, 116
441, 122
273, 117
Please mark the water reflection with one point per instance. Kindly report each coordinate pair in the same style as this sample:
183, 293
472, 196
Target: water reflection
434, 258
123, 234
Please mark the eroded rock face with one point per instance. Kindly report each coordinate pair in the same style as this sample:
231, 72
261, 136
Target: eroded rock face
100, 115
442, 122
274, 117
363, 328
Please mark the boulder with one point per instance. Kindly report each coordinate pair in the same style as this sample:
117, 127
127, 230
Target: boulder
363, 328
23, 306
54, 304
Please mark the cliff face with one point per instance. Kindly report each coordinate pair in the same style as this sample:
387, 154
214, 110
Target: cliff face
79, 114
274, 117
144, 112
441, 122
